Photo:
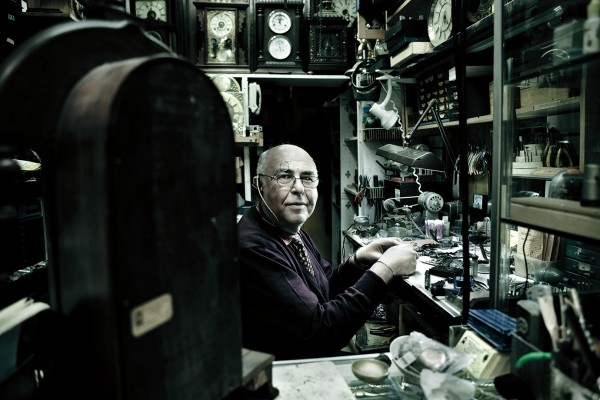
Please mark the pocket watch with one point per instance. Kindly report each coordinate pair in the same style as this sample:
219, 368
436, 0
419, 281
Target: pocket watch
279, 47
439, 21
279, 21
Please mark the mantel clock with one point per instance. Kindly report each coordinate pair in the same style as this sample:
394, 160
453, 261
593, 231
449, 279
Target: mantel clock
157, 18
330, 36
222, 33
278, 30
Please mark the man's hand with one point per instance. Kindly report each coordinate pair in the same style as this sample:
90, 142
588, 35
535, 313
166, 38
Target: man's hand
396, 262
367, 255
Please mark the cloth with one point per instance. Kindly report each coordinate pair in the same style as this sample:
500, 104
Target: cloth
288, 312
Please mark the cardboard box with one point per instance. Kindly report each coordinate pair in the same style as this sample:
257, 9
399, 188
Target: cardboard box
534, 95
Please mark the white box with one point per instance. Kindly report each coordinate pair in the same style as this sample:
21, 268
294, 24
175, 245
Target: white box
489, 362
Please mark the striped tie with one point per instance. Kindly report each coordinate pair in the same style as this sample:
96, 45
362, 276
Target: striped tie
298, 246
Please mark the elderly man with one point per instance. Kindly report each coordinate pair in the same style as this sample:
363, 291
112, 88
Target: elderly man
294, 303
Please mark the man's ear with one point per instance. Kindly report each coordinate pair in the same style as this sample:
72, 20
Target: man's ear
256, 183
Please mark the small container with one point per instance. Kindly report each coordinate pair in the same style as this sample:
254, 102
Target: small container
474, 266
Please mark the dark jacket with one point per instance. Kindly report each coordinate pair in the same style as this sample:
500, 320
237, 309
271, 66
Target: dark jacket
285, 310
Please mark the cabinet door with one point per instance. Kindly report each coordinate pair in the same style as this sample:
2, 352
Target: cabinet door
546, 186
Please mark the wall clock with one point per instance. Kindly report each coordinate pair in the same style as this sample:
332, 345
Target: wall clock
222, 33
235, 106
152, 10
345, 9
155, 16
439, 21
277, 34
329, 41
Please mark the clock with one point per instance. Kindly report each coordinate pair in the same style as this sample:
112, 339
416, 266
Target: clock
329, 42
152, 10
478, 9
277, 35
345, 9
155, 16
279, 21
221, 36
279, 47
226, 83
234, 103
439, 21
221, 33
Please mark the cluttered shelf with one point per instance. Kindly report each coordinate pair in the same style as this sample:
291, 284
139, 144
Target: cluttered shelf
556, 215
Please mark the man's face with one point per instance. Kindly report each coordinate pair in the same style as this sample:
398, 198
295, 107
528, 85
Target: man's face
292, 203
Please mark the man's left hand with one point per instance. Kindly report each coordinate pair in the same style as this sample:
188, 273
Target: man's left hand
367, 255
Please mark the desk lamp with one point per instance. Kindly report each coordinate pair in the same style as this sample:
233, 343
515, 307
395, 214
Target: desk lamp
416, 158
388, 118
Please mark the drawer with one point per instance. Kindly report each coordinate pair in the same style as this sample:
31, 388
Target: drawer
585, 253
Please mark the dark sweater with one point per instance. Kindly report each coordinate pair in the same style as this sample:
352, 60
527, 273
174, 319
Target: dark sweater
285, 310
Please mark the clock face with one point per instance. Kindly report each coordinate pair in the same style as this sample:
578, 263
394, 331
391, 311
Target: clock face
221, 39
221, 23
279, 21
279, 47
439, 22
236, 113
152, 10
345, 9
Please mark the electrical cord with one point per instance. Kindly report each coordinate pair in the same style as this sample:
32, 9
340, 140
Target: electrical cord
525, 261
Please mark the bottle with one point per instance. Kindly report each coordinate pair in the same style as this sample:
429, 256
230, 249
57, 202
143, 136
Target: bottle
446, 226
591, 28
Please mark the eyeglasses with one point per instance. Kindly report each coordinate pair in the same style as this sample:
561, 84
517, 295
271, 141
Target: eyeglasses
309, 182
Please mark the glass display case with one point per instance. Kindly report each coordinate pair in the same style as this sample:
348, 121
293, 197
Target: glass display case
547, 153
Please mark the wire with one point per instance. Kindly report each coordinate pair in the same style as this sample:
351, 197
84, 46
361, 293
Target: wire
525, 261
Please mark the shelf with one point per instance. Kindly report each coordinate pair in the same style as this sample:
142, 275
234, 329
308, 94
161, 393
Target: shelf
293, 79
542, 173
254, 139
562, 106
556, 215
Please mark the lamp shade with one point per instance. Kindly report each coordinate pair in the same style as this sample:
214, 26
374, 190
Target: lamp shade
388, 118
411, 157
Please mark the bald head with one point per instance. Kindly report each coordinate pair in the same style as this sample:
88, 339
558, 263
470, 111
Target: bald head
290, 204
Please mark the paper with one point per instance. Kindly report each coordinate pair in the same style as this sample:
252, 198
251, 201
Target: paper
319, 380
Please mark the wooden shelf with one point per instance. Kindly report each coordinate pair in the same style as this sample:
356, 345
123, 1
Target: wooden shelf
254, 139
556, 215
564, 106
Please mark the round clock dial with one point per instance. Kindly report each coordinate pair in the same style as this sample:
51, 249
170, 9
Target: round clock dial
279, 47
236, 113
439, 22
279, 21
221, 23
346, 9
226, 83
153, 10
